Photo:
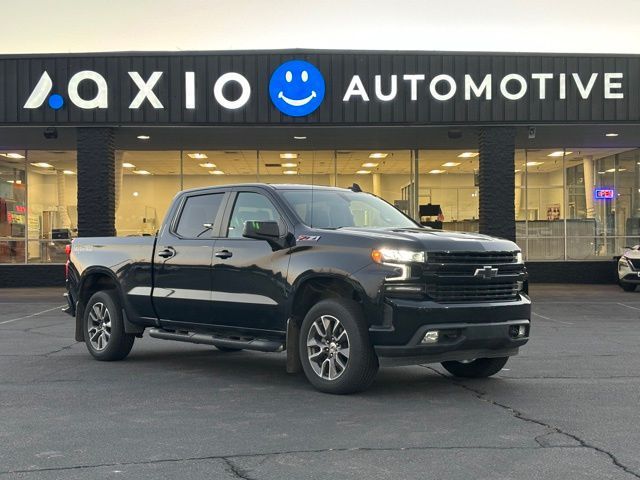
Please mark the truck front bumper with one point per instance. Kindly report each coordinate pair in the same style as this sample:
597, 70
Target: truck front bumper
416, 331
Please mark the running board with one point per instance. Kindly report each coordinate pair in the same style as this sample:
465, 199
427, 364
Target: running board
191, 337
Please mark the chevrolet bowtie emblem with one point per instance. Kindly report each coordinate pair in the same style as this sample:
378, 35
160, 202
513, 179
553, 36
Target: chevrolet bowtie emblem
486, 272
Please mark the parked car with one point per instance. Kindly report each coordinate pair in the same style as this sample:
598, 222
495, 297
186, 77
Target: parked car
629, 269
340, 279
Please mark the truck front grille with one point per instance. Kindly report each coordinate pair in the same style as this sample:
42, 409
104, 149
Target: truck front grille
473, 293
451, 276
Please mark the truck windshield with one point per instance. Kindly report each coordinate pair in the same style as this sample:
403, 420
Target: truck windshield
336, 209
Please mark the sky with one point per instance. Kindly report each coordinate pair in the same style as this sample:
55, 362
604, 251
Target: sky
565, 26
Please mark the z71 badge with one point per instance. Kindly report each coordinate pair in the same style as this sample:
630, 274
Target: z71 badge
308, 238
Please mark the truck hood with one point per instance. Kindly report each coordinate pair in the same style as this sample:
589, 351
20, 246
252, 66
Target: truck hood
432, 240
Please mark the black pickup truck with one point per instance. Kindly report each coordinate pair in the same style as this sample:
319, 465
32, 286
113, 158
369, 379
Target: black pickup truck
338, 278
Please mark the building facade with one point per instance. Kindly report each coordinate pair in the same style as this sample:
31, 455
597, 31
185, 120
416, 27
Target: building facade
539, 148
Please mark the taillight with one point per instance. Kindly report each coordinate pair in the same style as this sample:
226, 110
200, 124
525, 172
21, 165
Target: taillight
67, 250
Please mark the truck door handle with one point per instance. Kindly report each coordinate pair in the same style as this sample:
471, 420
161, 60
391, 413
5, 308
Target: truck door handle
167, 252
223, 254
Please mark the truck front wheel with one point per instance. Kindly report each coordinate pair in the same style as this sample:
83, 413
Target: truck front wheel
335, 349
478, 368
104, 332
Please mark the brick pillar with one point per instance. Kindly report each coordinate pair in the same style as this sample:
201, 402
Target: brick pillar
497, 182
96, 182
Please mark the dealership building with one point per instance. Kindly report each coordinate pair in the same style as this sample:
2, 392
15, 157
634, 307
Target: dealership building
543, 149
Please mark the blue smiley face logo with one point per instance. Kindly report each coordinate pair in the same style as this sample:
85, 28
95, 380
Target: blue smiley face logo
296, 88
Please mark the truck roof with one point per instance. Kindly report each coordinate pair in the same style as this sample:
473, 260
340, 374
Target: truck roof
273, 186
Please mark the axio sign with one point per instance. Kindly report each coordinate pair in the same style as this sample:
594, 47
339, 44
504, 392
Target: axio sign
297, 88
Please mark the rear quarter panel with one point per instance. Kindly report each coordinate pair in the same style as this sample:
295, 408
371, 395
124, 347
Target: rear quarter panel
127, 260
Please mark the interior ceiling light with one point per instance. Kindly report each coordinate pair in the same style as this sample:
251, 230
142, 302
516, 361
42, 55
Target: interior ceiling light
216, 172
451, 164
611, 170
363, 172
296, 137
435, 172
197, 156
370, 165
559, 153
141, 172
290, 172
611, 134
42, 165
378, 155
289, 165
68, 172
600, 173
12, 155
128, 165
534, 164
208, 165
143, 137
288, 155
468, 154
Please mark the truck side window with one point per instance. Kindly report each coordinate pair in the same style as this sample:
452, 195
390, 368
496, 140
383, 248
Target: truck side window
251, 207
198, 215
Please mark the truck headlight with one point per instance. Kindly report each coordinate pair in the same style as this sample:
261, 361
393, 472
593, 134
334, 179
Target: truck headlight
519, 258
388, 255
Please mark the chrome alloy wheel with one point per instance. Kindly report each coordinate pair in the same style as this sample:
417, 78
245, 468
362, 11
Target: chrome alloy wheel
100, 326
328, 347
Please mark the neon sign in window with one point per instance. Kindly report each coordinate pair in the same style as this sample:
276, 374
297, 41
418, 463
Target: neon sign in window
604, 193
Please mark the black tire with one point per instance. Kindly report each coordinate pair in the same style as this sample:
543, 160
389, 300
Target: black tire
361, 363
118, 343
628, 287
479, 368
228, 349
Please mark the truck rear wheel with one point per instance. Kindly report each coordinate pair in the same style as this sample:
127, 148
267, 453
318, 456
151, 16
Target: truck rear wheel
104, 332
335, 349
478, 368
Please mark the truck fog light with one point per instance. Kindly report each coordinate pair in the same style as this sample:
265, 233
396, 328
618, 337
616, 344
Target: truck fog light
431, 336
518, 331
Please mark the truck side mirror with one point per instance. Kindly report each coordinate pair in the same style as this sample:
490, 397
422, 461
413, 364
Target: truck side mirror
272, 232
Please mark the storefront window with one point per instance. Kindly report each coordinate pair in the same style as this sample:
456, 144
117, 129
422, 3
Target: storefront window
146, 182
13, 206
53, 211
448, 189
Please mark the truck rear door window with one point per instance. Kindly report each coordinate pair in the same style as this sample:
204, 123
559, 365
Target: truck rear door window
199, 215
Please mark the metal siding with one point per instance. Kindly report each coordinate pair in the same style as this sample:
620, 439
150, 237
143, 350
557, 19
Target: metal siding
19, 75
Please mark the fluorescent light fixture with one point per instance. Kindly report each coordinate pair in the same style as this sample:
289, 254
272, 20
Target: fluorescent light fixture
378, 155
68, 172
468, 154
611, 134
197, 156
600, 173
296, 137
534, 164
290, 172
216, 172
143, 137
17, 182
611, 170
370, 165
288, 155
128, 165
451, 164
42, 165
436, 171
12, 155
559, 153
208, 165
141, 172
363, 172
288, 165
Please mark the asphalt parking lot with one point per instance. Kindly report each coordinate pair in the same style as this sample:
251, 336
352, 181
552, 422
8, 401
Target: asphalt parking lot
568, 407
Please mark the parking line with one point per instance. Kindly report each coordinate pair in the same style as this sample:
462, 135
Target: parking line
551, 319
629, 306
32, 315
